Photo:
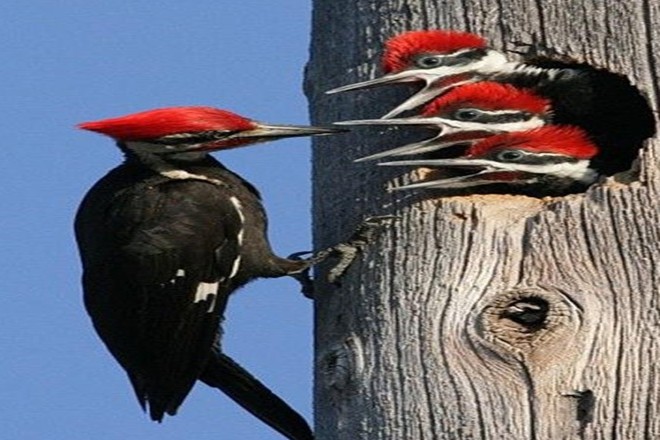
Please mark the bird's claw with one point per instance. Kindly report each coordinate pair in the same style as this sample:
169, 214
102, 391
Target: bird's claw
306, 282
303, 277
298, 256
348, 250
345, 252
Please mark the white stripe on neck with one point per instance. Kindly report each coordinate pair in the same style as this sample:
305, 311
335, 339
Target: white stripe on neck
162, 167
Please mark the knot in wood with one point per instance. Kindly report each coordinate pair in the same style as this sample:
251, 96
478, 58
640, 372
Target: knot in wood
340, 364
531, 322
531, 313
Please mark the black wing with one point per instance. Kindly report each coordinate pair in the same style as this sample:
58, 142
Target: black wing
156, 260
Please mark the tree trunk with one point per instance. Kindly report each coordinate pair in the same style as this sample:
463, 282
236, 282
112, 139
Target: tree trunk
484, 316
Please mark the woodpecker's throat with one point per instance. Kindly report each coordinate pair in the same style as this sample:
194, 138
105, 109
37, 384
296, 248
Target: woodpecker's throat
166, 162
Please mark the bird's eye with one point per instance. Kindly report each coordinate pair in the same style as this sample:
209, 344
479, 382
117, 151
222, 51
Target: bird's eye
467, 114
510, 155
428, 61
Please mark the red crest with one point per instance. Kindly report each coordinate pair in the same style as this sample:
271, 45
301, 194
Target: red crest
154, 124
488, 95
400, 50
557, 139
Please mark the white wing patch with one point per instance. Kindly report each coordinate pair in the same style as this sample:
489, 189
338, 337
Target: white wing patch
239, 210
235, 266
207, 291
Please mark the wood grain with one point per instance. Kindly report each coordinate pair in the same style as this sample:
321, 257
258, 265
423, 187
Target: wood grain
484, 316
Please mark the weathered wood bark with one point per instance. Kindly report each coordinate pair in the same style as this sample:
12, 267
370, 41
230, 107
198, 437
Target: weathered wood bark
435, 333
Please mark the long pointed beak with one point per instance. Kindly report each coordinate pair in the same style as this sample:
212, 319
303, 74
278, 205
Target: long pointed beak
459, 162
446, 125
393, 78
492, 172
433, 86
451, 133
426, 122
268, 132
426, 94
426, 146
486, 177
419, 98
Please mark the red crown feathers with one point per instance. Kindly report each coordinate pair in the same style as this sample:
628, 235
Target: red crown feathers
401, 49
488, 95
154, 124
557, 139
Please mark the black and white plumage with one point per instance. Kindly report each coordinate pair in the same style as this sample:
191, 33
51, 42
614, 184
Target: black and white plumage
552, 160
603, 103
165, 238
613, 112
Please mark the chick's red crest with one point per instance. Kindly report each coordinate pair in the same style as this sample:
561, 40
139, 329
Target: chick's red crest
488, 95
154, 124
556, 139
400, 50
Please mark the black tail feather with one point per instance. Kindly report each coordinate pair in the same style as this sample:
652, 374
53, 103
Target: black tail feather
223, 373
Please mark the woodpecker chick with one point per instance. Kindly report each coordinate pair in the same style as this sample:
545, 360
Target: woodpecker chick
613, 112
164, 239
467, 114
438, 59
548, 161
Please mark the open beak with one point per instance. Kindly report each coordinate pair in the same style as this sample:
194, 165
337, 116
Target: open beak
431, 90
427, 146
491, 172
452, 133
393, 78
433, 86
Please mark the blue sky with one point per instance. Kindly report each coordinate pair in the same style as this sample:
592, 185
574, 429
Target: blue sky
70, 61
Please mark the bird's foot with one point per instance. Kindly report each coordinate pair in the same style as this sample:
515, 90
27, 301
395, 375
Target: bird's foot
345, 252
303, 277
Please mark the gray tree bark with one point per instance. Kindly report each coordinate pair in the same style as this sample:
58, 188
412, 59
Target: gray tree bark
484, 316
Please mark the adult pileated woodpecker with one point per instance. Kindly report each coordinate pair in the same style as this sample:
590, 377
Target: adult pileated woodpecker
466, 114
164, 239
546, 161
605, 104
